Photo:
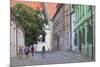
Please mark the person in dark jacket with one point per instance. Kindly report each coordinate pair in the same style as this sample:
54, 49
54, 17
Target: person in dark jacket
43, 51
26, 51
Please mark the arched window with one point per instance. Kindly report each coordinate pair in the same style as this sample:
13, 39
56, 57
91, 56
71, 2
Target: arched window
75, 39
83, 36
79, 38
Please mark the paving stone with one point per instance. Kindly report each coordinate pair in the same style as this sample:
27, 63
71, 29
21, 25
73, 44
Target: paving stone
56, 57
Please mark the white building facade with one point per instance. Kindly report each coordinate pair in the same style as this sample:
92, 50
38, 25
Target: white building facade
48, 30
47, 43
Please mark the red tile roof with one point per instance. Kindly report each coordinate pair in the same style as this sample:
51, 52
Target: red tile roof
37, 5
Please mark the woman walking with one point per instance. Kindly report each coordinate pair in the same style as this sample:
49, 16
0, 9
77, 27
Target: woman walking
32, 50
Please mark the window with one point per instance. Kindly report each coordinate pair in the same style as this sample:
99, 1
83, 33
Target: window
80, 11
83, 36
75, 39
77, 14
89, 8
83, 10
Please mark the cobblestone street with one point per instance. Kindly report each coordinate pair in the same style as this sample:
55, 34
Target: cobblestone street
56, 57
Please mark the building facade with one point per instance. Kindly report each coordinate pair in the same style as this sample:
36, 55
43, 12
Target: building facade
17, 37
84, 29
73, 37
47, 43
48, 31
61, 28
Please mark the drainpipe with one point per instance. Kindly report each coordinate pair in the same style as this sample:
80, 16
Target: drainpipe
93, 43
70, 29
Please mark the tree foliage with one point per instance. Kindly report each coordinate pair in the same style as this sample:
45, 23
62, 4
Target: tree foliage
33, 21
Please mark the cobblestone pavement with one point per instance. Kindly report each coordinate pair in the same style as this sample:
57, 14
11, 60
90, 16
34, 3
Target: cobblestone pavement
55, 57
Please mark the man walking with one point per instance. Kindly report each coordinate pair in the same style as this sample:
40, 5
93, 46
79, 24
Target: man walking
43, 51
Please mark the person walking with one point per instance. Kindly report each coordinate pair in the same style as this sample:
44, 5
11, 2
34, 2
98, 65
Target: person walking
20, 52
26, 51
32, 50
43, 51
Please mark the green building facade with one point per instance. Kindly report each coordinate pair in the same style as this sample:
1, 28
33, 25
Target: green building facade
84, 29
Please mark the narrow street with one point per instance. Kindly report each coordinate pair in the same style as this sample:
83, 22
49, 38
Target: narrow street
55, 57
46, 27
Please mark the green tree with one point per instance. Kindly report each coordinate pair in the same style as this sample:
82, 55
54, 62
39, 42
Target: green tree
33, 21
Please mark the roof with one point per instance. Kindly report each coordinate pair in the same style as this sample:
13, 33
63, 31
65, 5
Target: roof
38, 5
58, 8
